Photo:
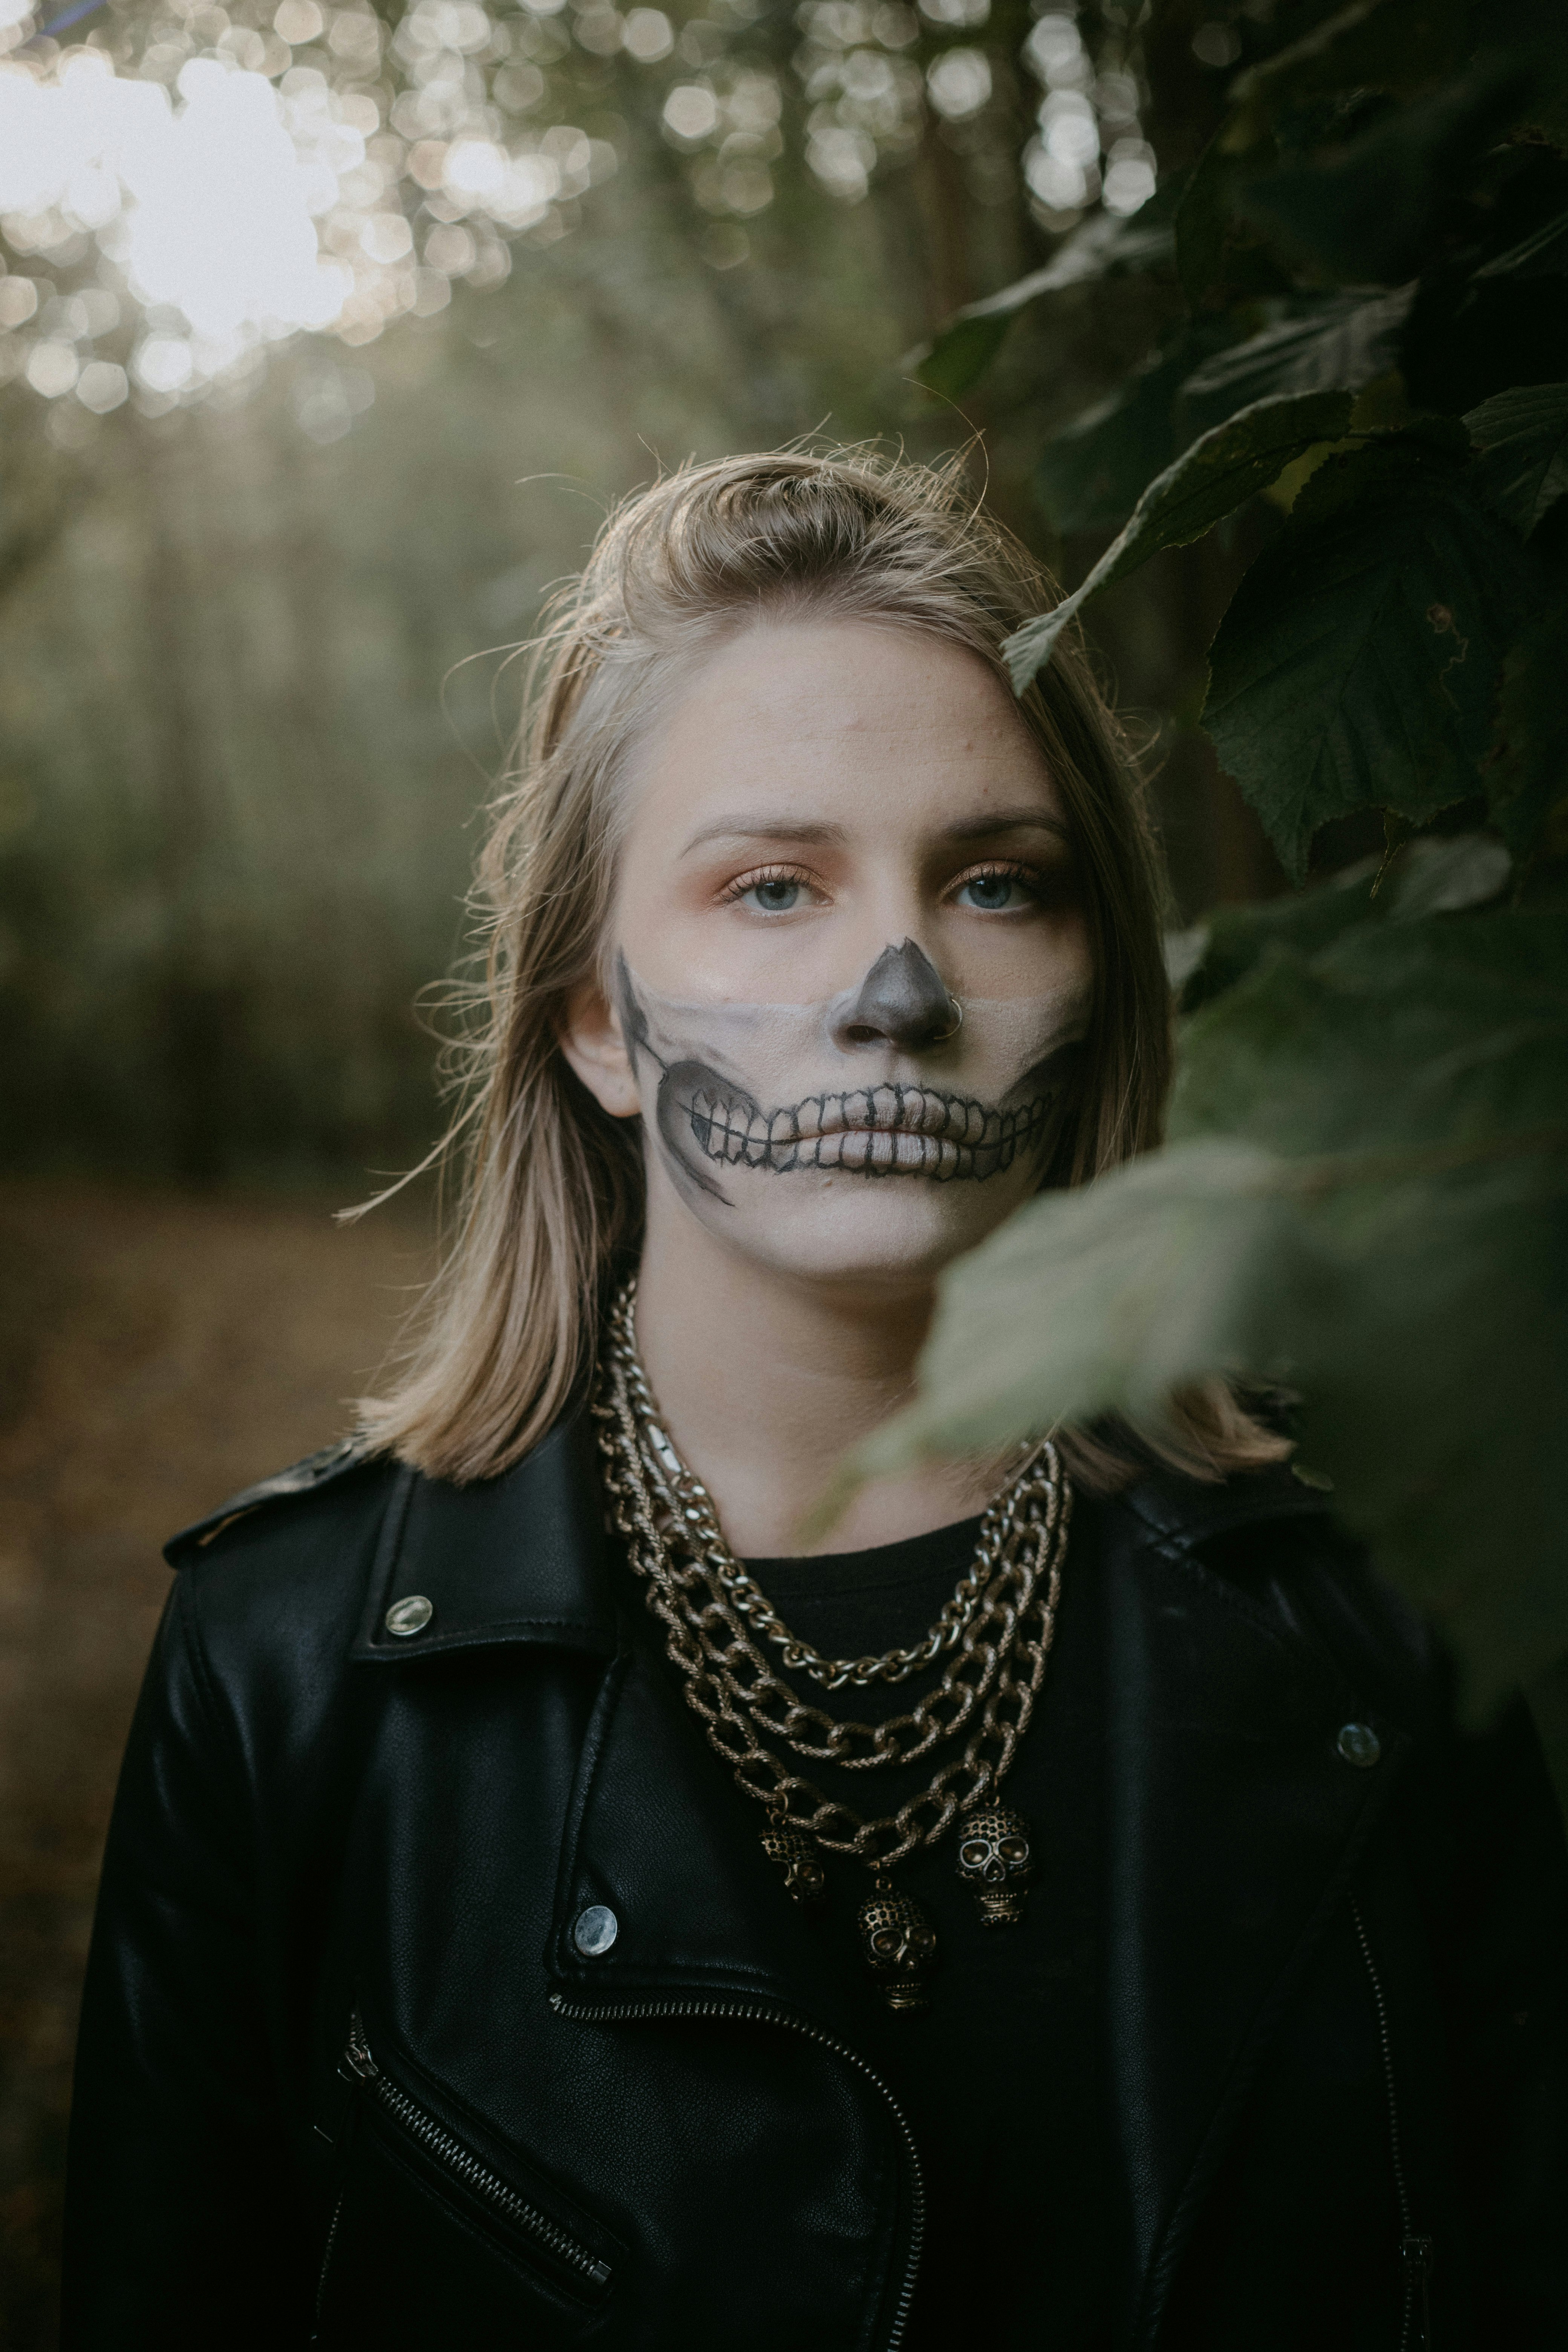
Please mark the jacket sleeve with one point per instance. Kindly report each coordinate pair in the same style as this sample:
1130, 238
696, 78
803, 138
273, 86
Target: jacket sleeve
182, 2227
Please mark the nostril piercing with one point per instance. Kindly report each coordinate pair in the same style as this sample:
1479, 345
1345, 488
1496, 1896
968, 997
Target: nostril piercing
940, 1036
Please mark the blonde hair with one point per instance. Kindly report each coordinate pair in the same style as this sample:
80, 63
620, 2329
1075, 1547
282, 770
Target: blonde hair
551, 1189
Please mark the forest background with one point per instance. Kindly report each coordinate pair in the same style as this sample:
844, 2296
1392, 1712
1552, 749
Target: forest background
247, 697
287, 465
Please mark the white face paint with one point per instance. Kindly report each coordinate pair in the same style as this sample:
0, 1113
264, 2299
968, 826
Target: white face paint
808, 1137
826, 796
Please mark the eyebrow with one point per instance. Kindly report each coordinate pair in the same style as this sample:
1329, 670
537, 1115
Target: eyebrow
984, 828
742, 828
820, 829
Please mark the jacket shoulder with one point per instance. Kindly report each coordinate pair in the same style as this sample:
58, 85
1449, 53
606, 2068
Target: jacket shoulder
1183, 1513
333, 1467
1275, 1538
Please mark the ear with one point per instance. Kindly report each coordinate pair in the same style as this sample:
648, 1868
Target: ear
595, 1049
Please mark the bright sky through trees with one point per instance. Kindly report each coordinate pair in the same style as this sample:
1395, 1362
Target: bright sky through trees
196, 181
207, 204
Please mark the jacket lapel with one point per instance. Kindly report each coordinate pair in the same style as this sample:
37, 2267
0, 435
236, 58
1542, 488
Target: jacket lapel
671, 1847
657, 1831
1233, 1826
660, 1836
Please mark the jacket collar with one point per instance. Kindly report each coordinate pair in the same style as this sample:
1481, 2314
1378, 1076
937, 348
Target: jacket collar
524, 1557
521, 1557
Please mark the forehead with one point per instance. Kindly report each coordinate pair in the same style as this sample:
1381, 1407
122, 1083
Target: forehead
853, 721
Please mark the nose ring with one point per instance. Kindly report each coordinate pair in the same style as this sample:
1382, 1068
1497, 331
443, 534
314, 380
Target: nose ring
940, 1036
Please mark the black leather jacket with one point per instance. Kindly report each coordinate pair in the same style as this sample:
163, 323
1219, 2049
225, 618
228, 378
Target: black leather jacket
346, 2077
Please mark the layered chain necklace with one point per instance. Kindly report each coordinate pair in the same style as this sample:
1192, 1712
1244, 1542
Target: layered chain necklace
995, 1631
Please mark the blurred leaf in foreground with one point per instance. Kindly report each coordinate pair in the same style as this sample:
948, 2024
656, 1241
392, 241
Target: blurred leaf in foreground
1381, 1224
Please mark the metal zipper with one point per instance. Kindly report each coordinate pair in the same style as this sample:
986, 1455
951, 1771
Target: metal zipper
326, 2266
1414, 2250
631, 2013
476, 2177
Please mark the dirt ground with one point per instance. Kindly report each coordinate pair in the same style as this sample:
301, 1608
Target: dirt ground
157, 1352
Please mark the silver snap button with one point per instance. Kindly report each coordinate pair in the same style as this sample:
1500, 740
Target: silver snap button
1358, 1743
595, 1930
410, 1616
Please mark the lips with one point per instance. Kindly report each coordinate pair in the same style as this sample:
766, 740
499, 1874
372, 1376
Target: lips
887, 1131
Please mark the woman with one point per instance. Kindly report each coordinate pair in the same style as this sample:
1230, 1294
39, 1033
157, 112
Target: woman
543, 1905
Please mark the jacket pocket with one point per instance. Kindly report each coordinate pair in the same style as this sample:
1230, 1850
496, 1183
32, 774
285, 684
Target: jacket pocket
433, 2242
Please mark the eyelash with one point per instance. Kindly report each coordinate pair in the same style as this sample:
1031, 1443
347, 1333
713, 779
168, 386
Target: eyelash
760, 874
1005, 869
997, 869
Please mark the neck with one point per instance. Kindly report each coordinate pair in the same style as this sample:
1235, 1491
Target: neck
765, 1380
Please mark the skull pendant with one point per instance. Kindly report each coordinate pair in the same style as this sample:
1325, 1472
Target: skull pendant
993, 1857
803, 1876
899, 1944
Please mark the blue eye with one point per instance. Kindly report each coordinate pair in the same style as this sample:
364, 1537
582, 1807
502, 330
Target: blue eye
777, 896
992, 893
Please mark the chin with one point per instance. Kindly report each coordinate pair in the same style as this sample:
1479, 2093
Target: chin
896, 1233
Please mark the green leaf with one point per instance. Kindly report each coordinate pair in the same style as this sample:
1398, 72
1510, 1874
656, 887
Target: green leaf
1358, 663
1432, 875
1388, 45
1340, 344
1369, 210
1204, 219
1090, 476
1214, 246
1106, 245
1239, 937
1527, 775
1405, 1036
962, 352
1544, 255
1524, 436
1365, 1199
1089, 1302
1208, 481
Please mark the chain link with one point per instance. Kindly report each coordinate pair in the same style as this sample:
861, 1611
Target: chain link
1001, 1621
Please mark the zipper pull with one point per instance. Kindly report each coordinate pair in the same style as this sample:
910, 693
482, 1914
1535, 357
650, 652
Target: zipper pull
1415, 2253
357, 2053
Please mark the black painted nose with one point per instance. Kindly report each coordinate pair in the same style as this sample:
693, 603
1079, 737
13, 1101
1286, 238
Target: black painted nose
903, 1001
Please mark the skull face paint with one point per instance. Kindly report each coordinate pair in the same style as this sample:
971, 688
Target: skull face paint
793, 1113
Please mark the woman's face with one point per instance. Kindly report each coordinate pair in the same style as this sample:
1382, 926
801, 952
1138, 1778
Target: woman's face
851, 966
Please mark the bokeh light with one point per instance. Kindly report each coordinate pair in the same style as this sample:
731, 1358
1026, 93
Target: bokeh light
198, 188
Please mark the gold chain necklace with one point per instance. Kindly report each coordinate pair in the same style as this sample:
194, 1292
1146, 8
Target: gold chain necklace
1001, 1630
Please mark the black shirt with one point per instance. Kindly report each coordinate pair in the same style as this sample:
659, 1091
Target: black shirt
1000, 2078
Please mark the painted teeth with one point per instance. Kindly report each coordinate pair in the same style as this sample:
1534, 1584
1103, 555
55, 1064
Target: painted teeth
876, 1131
